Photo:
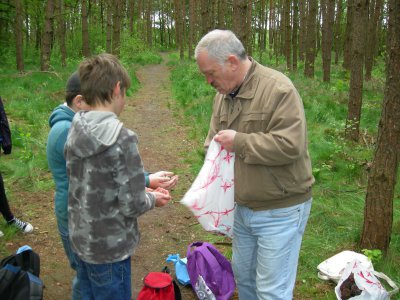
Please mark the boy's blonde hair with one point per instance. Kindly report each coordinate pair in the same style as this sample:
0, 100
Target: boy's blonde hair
99, 75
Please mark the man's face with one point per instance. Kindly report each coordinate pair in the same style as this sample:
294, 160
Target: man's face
219, 77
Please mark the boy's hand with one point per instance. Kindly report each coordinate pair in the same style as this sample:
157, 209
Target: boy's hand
162, 197
163, 179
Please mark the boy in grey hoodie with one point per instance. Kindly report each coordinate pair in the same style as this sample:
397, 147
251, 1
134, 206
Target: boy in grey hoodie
106, 183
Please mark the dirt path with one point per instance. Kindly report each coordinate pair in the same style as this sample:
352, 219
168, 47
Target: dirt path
164, 230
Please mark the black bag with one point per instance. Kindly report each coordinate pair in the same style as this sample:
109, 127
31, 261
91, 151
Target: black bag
5, 132
19, 277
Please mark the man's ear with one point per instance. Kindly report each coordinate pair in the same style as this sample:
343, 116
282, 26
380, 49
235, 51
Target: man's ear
234, 62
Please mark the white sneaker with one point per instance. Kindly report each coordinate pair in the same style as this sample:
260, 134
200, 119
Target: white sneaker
25, 227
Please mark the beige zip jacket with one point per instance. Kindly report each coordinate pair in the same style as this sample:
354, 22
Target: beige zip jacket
272, 164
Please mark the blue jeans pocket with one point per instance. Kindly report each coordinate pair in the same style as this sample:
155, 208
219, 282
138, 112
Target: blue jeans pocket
100, 274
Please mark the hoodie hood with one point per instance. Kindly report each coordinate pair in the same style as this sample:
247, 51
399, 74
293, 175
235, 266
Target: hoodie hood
61, 113
93, 132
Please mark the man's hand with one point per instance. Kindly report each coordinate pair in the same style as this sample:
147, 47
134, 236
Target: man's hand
225, 138
162, 197
164, 179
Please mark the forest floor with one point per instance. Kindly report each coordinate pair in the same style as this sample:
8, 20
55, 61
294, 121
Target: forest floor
167, 230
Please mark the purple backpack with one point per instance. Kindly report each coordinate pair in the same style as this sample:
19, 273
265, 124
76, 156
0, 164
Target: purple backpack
210, 272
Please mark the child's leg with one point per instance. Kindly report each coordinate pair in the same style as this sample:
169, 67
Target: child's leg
105, 281
4, 207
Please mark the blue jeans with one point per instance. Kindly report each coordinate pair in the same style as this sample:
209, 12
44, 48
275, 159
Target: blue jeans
105, 281
76, 292
266, 246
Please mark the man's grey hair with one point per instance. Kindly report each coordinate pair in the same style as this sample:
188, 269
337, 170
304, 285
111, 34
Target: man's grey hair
219, 44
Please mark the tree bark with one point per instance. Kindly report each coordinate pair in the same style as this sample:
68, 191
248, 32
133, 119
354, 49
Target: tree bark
109, 26
295, 33
303, 29
347, 51
378, 213
373, 24
116, 33
149, 25
192, 26
19, 36
356, 77
287, 33
310, 42
328, 15
240, 21
61, 31
85, 30
47, 36
338, 32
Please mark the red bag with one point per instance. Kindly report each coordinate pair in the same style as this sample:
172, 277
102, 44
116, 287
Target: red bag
157, 286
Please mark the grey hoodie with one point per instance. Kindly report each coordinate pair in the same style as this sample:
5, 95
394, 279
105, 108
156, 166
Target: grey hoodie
106, 188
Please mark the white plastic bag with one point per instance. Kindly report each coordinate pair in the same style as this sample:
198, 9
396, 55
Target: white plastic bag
366, 281
333, 267
211, 196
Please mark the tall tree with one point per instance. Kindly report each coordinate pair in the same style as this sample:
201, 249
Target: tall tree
19, 35
239, 25
109, 26
287, 30
295, 33
356, 76
149, 23
303, 29
328, 16
192, 26
85, 30
347, 51
116, 33
373, 25
47, 36
378, 213
310, 38
337, 34
61, 30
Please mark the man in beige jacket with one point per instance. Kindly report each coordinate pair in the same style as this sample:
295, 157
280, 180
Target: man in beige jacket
259, 115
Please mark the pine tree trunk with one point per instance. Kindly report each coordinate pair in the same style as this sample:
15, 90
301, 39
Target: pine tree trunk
287, 33
303, 29
310, 42
85, 31
328, 13
375, 10
47, 36
109, 26
347, 52
192, 24
338, 34
356, 69
295, 33
61, 31
378, 213
239, 22
19, 43
116, 32
149, 24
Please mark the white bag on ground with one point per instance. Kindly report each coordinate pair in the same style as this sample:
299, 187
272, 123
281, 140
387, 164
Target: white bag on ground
333, 267
361, 283
211, 196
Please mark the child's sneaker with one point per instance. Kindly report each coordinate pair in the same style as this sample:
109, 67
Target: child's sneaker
25, 227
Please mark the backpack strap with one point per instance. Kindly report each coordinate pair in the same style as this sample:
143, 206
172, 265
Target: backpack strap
29, 261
